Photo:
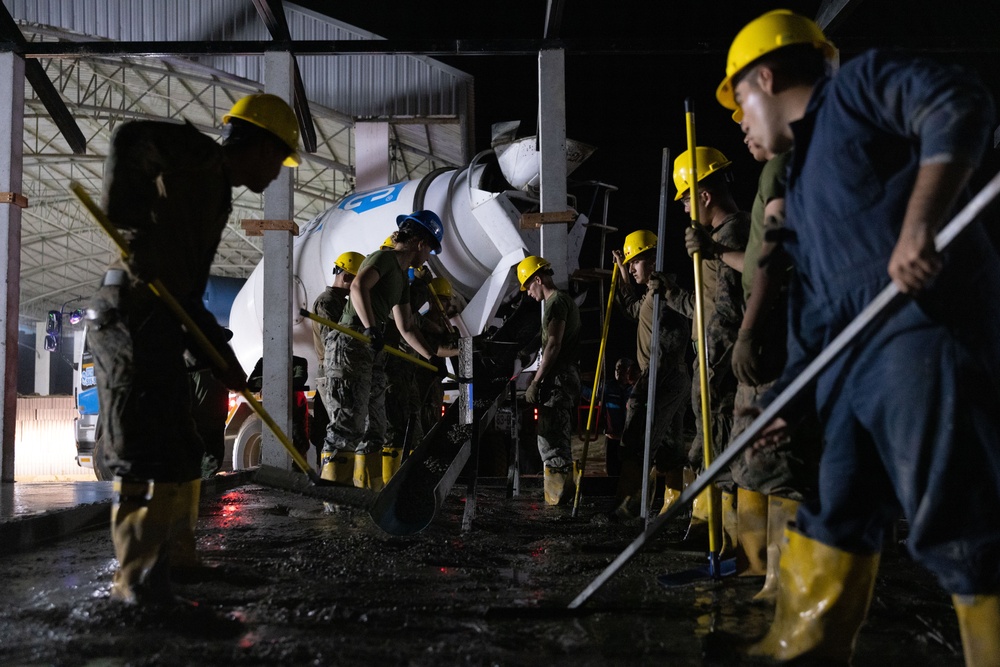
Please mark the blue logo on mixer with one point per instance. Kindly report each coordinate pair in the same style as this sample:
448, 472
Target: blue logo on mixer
365, 201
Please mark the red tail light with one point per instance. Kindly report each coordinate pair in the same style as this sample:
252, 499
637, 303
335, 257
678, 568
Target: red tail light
536, 414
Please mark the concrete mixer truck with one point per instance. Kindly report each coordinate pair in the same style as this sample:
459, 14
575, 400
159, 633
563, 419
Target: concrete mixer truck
481, 207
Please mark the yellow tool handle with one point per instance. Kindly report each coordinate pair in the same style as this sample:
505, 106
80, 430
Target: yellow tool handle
702, 351
161, 291
578, 473
440, 308
601, 349
365, 339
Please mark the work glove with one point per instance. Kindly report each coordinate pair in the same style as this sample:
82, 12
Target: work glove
532, 392
375, 338
697, 238
233, 378
442, 366
660, 283
747, 366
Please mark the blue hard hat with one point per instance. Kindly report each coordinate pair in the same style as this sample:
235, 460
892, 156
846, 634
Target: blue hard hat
430, 221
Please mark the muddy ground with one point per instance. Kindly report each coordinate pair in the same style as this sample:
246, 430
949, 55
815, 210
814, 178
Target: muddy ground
297, 582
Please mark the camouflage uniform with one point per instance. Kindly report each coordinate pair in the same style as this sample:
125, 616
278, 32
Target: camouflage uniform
673, 381
788, 470
328, 305
167, 189
356, 372
561, 393
722, 297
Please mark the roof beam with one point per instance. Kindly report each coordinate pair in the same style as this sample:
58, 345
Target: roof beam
273, 15
47, 93
421, 47
436, 48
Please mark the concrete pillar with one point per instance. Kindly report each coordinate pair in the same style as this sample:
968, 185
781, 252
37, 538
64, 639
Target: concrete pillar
371, 150
42, 361
11, 138
552, 149
278, 205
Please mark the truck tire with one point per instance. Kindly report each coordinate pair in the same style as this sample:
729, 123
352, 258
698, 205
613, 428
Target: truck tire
246, 449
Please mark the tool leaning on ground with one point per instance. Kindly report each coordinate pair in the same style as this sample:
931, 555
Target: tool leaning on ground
581, 465
654, 349
161, 291
388, 348
878, 307
714, 517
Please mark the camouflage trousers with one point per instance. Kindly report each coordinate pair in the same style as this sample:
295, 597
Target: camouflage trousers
143, 387
722, 396
403, 397
789, 470
560, 397
667, 436
356, 387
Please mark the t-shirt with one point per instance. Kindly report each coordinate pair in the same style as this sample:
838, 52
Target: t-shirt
561, 307
392, 288
771, 185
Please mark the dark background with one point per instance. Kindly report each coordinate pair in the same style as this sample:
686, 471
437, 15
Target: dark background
630, 105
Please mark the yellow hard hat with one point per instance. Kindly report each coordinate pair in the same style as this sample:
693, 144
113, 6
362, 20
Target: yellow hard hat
441, 287
773, 30
528, 267
388, 244
273, 114
350, 262
637, 243
709, 161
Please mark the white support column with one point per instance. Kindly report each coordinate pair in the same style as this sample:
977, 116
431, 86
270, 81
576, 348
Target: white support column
371, 150
11, 139
552, 148
43, 363
278, 205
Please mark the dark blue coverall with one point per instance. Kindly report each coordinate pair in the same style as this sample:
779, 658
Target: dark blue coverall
911, 409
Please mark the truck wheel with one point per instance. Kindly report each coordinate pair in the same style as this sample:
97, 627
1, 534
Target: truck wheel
101, 469
246, 449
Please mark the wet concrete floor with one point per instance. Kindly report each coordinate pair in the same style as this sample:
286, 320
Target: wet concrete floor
300, 582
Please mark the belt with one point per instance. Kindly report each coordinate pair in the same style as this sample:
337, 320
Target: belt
114, 277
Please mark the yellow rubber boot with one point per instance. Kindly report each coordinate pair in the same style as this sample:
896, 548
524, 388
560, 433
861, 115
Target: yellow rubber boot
558, 486
751, 557
670, 497
697, 530
823, 598
673, 483
391, 458
360, 471
373, 471
336, 466
780, 513
979, 624
184, 519
140, 529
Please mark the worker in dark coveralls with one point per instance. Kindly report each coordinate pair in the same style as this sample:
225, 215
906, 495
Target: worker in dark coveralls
555, 387
329, 305
356, 370
168, 188
881, 151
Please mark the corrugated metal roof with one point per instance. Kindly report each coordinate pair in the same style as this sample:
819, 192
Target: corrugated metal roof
63, 254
